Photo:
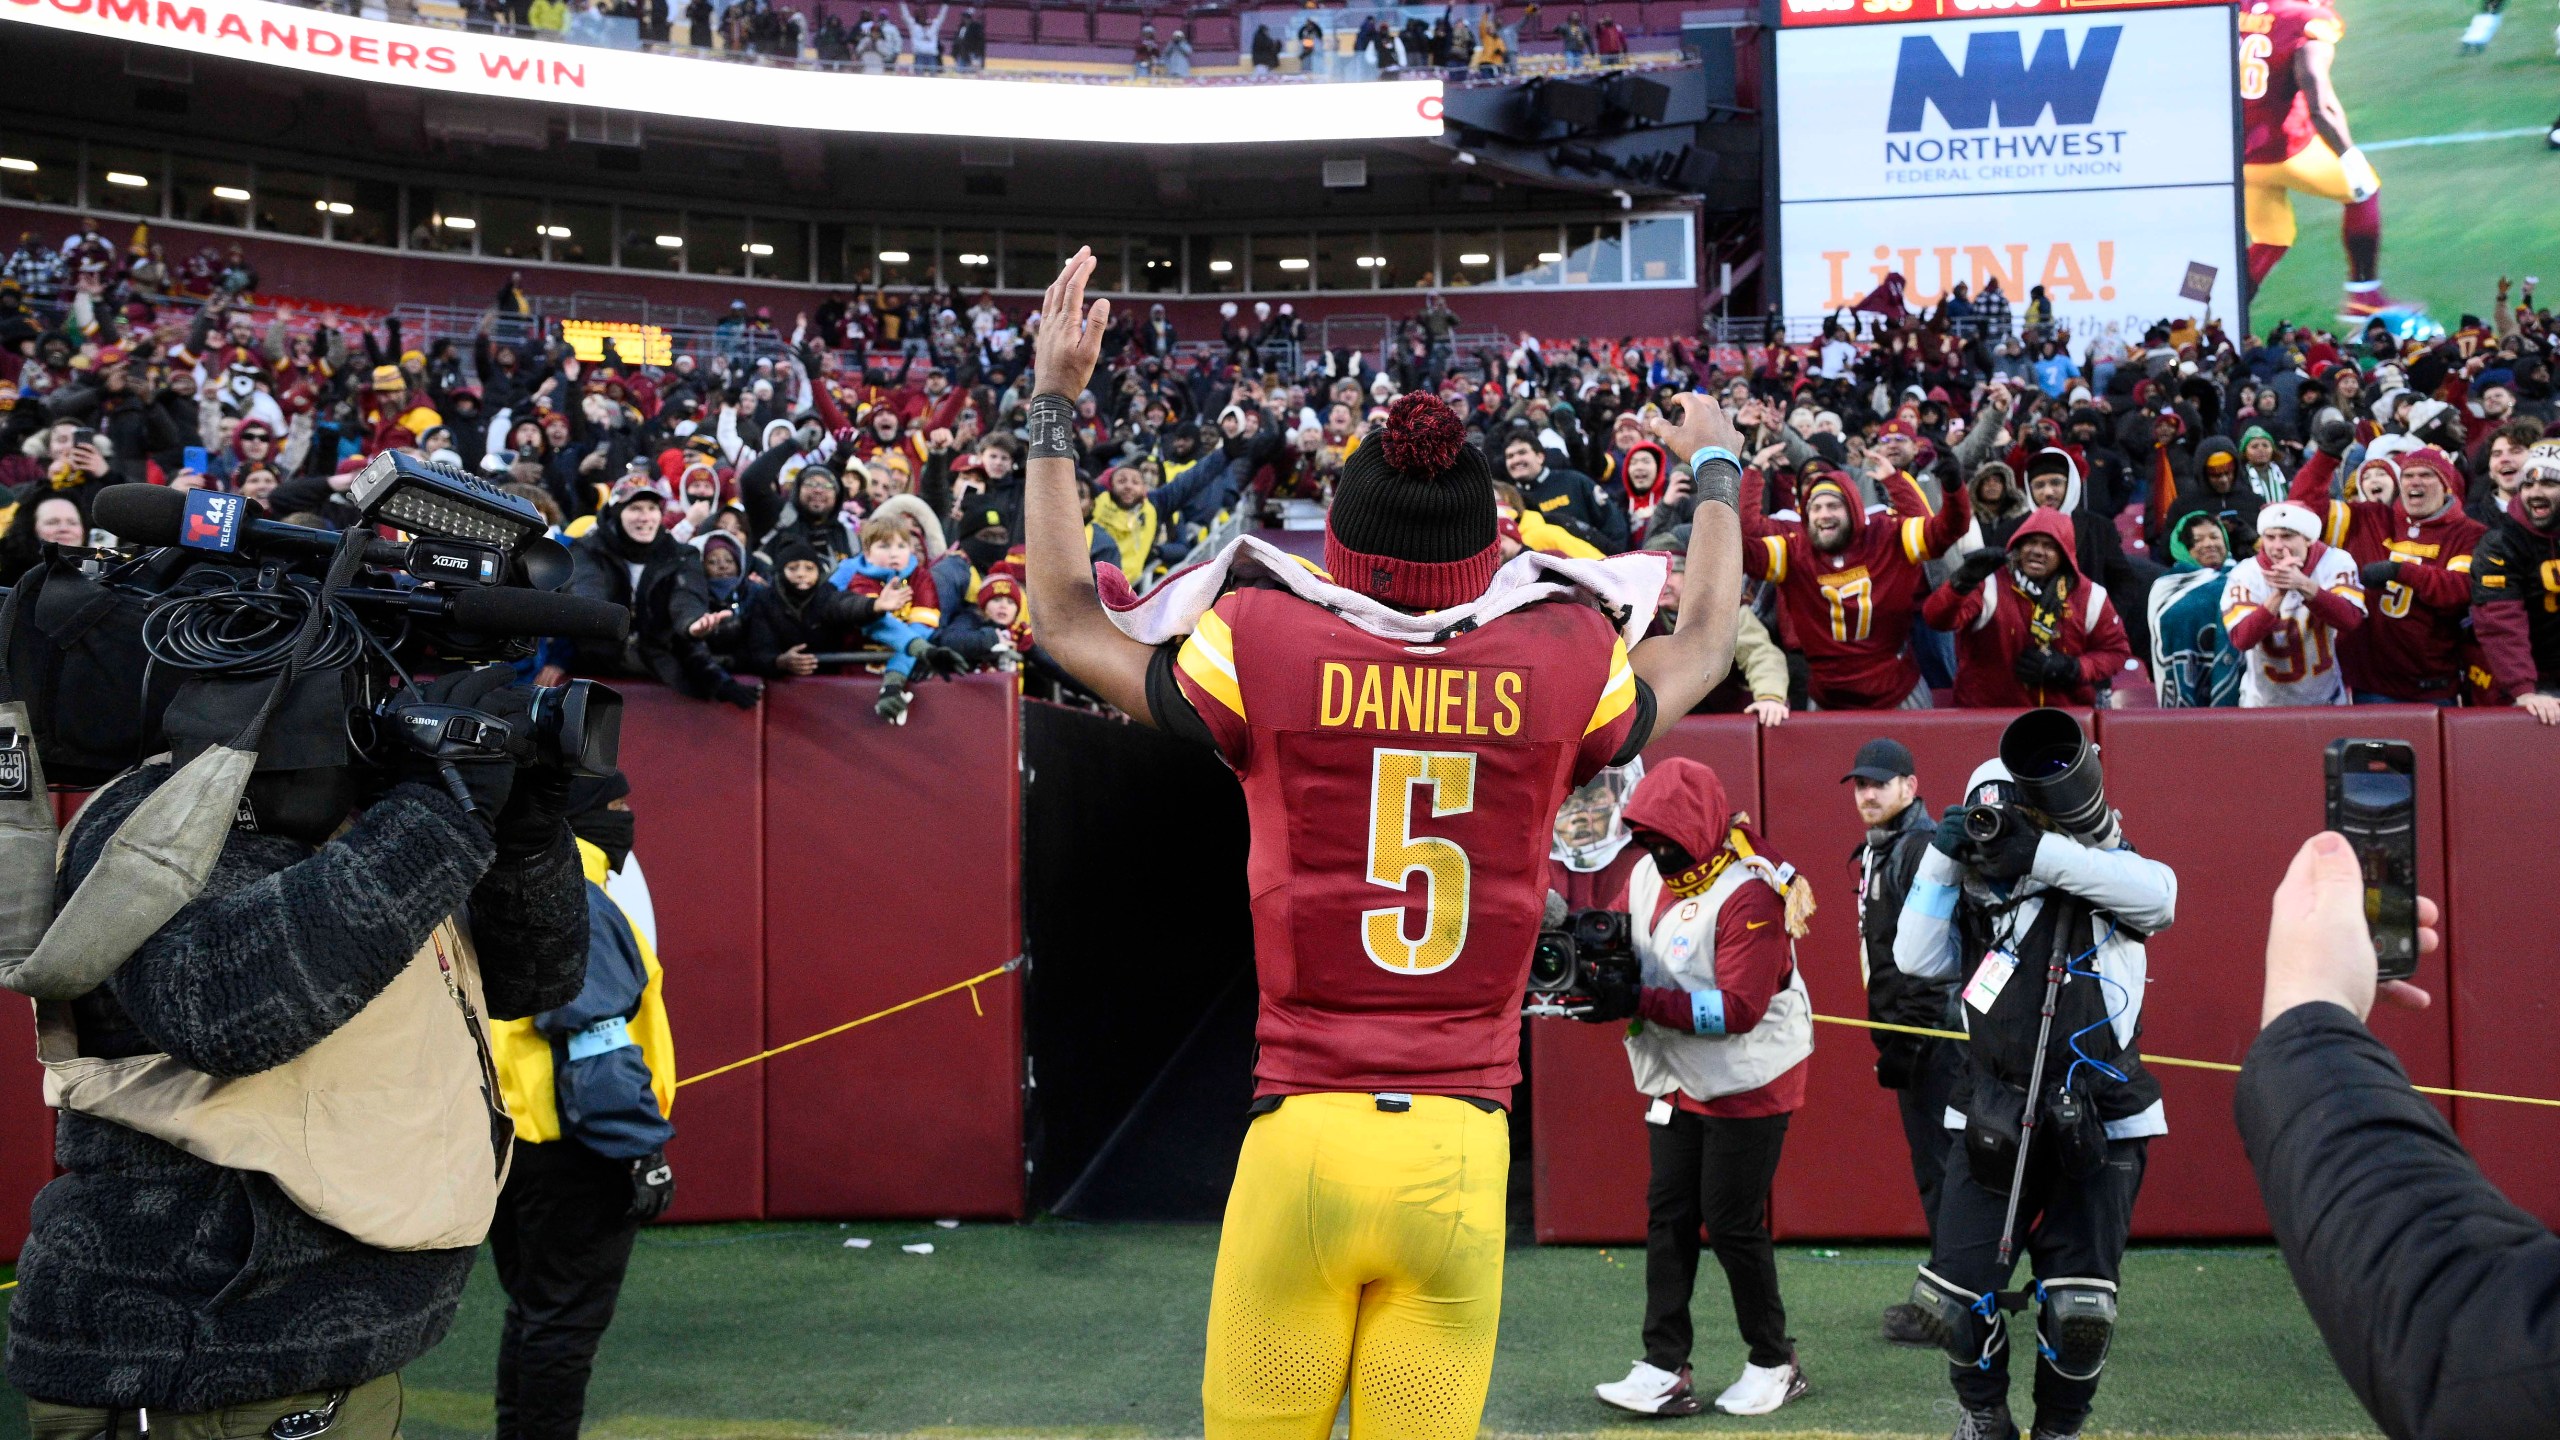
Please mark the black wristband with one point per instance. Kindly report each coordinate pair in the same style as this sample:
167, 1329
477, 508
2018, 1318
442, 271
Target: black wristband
1052, 424
1720, 482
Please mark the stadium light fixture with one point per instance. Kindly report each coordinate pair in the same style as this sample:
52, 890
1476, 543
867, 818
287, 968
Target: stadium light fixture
893, 257
670, 242
1293, 263
1550, 257
12, 162
556, 232
1221, 267
231, 192
757, 248
971, 257
127, 179
333, 207
460, 222
1475, 257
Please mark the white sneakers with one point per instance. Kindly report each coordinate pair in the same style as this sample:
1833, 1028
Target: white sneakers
1651, 1390
1762, 1389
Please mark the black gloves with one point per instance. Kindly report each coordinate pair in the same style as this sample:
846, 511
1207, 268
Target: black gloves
1950, 839
742, 693
653, 1186
2333, 436
2040, 668
2379, 574
1612, 999
536, 814
487, 781
1979, 566
2012, 855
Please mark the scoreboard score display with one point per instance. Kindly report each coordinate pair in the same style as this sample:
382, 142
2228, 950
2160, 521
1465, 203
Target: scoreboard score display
2087, 146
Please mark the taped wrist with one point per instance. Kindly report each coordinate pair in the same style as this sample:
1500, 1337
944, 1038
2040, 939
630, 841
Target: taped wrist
1719, 482
1053, 427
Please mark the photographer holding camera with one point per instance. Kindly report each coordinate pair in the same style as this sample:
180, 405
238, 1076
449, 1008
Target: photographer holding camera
2030, 889
1724, 1030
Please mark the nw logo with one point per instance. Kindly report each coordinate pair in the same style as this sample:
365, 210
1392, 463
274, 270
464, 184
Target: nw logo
1999, 84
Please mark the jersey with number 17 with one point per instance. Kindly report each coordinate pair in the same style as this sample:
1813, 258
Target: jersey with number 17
1402, 798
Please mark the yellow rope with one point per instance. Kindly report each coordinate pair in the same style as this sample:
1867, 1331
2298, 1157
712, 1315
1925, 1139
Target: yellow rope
2172, 1060
971, 985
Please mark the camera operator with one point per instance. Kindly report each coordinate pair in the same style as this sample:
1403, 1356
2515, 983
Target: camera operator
280, 1144
2030, 889
1919, 1070
2434, 1292
1725, 1028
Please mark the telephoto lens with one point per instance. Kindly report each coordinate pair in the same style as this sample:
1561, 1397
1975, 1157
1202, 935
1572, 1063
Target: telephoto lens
1551, 967
2056, 769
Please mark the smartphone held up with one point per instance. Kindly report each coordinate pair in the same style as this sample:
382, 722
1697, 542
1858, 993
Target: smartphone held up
2373, 802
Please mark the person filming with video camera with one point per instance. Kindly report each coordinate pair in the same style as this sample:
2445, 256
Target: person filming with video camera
266, 967
2031, 899
1724, 1030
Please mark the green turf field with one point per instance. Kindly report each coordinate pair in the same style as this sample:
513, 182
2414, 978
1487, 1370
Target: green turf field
2456, 216
1055, 1330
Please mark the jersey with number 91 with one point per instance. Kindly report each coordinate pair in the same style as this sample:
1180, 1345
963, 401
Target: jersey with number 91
2297, 663
1402, 799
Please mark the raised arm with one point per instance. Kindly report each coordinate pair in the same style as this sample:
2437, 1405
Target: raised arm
1683, 666
1074, 629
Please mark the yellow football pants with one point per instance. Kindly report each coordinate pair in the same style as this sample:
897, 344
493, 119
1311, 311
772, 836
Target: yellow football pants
1361, 1247
2268, 189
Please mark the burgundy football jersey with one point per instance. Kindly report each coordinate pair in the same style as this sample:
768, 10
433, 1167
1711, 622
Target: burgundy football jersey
1402, 799
2275, 116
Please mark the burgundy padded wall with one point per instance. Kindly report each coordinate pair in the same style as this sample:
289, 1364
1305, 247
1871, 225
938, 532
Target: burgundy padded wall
1590, 1155
26, 1125
892, 863
697, 792
1847, 1171
2225, 802
2502, 787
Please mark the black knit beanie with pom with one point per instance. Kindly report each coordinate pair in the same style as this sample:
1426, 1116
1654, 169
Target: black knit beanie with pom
1413, 521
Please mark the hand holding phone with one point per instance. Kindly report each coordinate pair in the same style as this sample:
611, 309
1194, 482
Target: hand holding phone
2373, 801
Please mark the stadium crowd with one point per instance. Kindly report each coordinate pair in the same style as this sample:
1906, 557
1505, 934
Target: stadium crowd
1968, 505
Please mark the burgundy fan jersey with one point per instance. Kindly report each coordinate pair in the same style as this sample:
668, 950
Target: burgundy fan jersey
1402, 800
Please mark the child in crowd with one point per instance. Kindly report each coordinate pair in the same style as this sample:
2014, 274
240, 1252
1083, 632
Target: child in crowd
1000, 600
904, 610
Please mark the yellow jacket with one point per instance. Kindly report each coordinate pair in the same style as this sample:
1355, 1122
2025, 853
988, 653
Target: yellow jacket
523, 1054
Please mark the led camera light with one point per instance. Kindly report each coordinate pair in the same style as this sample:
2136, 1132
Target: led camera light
441, 501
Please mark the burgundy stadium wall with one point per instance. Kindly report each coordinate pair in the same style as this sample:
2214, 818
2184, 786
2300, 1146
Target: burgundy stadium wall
810, 865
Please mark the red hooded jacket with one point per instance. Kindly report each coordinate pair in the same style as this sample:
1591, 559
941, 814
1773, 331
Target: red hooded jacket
1850, 610
1994, 624
2411, 646
1684, 802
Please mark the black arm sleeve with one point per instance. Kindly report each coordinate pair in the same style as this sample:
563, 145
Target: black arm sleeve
529, 925
1173, 711
2439, 1300
1645, 708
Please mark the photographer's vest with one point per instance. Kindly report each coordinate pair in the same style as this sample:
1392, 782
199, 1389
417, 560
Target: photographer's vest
392, 1128
1679, 951
2003, 1019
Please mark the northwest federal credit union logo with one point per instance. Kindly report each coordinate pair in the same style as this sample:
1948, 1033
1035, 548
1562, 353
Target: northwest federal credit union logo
2002, 86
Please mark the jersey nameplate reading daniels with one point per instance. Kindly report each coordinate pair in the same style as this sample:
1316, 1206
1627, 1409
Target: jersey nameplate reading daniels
1462, 700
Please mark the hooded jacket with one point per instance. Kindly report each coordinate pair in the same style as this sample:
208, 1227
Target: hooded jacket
2236, 506
1756, 999
2266, 481
2001, 619
662, 585
2515, 604
1850, 610
821, 617
2191, 666
1640, 503
1993, 520
2411, 644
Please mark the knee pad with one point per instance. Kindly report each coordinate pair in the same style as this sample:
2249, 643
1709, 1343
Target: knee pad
1968, 1326
2075, 1325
